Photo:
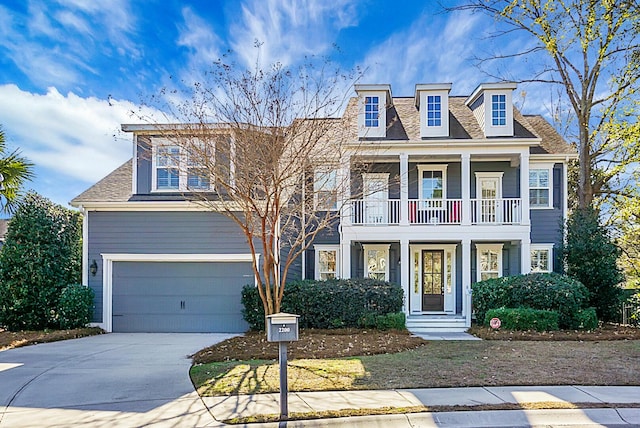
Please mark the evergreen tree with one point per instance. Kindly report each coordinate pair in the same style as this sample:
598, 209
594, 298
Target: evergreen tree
591, 258
42, 255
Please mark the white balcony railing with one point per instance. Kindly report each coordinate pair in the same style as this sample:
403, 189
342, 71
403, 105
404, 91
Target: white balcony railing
366, 212
496, 211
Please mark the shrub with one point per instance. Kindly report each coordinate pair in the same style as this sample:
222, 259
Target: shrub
552, 292
40, 257
328, 304
586, 319
524, 319
390, 321
592, 258
545, 291
490, 294
75, 308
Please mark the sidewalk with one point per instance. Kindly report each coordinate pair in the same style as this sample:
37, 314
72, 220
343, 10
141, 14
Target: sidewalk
223, 408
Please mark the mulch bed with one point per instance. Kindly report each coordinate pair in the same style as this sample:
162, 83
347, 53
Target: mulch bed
353, 342
16, 339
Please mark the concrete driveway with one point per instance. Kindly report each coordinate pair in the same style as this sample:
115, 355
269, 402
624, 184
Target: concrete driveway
115, 379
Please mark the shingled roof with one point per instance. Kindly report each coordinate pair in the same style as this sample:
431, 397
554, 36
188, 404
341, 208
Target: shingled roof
115, 187
403, 123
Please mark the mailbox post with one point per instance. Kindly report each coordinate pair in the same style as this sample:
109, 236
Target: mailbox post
283, 328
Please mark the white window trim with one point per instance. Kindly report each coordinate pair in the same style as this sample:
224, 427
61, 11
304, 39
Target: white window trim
488, 247
379, 247
372, 131
506, 109
498, 175
321, 247
549, 248
433, 167
183, 169
548, 167
107, 272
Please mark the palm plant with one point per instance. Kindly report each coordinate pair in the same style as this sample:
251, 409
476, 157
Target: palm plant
14, 171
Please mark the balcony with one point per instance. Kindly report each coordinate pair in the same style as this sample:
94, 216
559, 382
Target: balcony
372, 212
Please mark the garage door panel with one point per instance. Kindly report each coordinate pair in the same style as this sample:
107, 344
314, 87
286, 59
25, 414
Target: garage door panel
179, 296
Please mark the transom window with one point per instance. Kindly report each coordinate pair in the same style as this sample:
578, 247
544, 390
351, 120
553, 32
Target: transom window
175, 169
498, 110
489, 261
325, 189
371, 112
327, 261
434, 110
376, 261
541, 257
540, 187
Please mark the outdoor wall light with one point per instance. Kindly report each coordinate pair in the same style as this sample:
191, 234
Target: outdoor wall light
93, 268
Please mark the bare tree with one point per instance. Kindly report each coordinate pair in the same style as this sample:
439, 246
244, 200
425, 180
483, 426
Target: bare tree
264, 147
594, 52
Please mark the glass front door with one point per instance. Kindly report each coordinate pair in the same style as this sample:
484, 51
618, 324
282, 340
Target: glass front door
433, 280
489, 195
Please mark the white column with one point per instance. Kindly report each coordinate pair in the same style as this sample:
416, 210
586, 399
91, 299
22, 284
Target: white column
344, 186
525, 256
405, 264
404, 189
466, 281
524, 187
466, 188
345, 255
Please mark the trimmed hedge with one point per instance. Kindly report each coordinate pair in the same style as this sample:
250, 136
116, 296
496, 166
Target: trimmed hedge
329, 304
524, 319
587, 319
392, 321
545, 291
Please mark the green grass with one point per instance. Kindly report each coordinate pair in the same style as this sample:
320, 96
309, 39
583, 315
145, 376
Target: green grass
437, 364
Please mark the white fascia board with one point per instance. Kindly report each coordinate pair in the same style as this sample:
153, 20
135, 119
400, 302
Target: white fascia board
553, 157
131, 257
148, 206
447, 142
488, 86
430, 87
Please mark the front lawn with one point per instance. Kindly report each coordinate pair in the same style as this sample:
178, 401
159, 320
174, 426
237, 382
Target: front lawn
348, 360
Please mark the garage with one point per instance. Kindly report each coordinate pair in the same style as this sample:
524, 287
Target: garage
178, 296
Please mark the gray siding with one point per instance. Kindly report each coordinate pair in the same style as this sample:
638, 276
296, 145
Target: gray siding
144, 167
392, 168
157, 233
510, 179
546, 224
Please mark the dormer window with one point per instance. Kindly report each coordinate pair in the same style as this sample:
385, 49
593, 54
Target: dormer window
492, 106
498, 110
432, 100
371, 112
373, 102
434, 110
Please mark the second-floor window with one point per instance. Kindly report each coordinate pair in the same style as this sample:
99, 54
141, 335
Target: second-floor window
325, 189
540, 187
371, 112
174, 169
434, 110
498, 110
432, 182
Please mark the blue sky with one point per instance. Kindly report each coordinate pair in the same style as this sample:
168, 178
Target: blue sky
72, 70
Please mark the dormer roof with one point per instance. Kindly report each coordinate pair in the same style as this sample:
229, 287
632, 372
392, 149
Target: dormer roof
489, 86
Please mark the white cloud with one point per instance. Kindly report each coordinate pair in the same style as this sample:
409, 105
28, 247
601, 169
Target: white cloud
427, 53
70, 135
64, 37
289, 31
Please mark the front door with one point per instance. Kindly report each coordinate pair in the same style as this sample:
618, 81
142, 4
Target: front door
375, 198
489, 189
432, 280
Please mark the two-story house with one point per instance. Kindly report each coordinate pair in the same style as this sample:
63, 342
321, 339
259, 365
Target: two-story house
457, 189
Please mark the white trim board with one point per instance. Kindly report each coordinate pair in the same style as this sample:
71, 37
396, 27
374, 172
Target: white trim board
107, 272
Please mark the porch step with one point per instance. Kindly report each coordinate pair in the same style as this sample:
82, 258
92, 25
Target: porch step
436, 324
